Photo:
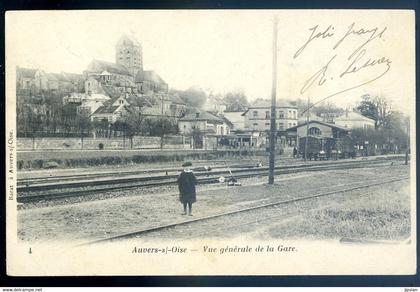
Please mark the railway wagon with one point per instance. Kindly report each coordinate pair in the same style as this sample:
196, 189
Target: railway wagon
326, 148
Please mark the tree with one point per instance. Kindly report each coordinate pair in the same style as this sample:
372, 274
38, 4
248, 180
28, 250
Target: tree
193, 96
161, 127
236, 101
68, 118
302, 105
328, 111
34, 124
389, 135
384, 110
83, 125
133, 123
377, 108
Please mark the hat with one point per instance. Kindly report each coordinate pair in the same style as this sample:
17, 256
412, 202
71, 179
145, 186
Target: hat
187, 164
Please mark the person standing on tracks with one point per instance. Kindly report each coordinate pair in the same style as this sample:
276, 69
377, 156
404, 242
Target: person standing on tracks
186, 185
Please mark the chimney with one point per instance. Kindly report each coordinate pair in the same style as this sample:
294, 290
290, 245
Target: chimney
197, 115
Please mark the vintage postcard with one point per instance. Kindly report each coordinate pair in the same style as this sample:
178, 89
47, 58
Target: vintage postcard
210, 142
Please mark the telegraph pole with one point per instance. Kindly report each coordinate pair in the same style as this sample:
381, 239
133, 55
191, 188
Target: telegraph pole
307, 132
408, 142
273, 106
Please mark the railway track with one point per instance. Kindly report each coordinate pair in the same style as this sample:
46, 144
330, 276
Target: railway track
44, 182
118, 184
160, 228
117, 173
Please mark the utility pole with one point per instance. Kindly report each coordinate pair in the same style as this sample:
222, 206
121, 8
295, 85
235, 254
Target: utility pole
408, 142
161, 122
273, 106
307, 132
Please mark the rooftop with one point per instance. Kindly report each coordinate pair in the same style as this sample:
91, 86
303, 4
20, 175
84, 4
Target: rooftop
100, 66
266, 103
202, 116
25, 72
334, 126
353, 116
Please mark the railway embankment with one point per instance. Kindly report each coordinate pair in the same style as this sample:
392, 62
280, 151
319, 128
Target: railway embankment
46, 159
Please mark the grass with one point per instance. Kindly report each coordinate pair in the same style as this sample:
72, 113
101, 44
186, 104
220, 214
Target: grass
382, 214
75, 159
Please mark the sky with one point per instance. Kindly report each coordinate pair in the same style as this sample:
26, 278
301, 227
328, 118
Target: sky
226, 50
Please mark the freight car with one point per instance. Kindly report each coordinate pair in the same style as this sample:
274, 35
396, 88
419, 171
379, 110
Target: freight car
326, 148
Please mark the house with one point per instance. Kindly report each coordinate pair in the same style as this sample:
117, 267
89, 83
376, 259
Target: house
204, 123
237, 120
111, 110
25, 78
38, 80
257, 116
206, 129
77, 81
353, 120
89, 107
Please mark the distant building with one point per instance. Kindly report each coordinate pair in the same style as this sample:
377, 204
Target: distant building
311, 117
203, 122
33, 81
353, 120
257, 116
126, 73
111, 110
128, 53
237, 120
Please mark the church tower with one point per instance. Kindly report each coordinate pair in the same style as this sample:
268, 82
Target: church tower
129, 53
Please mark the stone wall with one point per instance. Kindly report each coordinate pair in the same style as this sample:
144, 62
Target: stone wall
138, 142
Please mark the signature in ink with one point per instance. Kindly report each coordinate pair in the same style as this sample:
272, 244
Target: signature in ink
360, 32
328, 32
357, 60
318, 76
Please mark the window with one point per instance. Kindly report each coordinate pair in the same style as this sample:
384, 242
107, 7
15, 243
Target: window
255, 114
314, 131
281, 115
267, 115
294, 114
281, 126
290, 114
255, 126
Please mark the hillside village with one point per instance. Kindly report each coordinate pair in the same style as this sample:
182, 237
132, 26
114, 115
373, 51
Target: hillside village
122, 99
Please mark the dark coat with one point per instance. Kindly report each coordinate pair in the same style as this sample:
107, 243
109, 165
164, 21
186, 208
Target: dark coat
186, 185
